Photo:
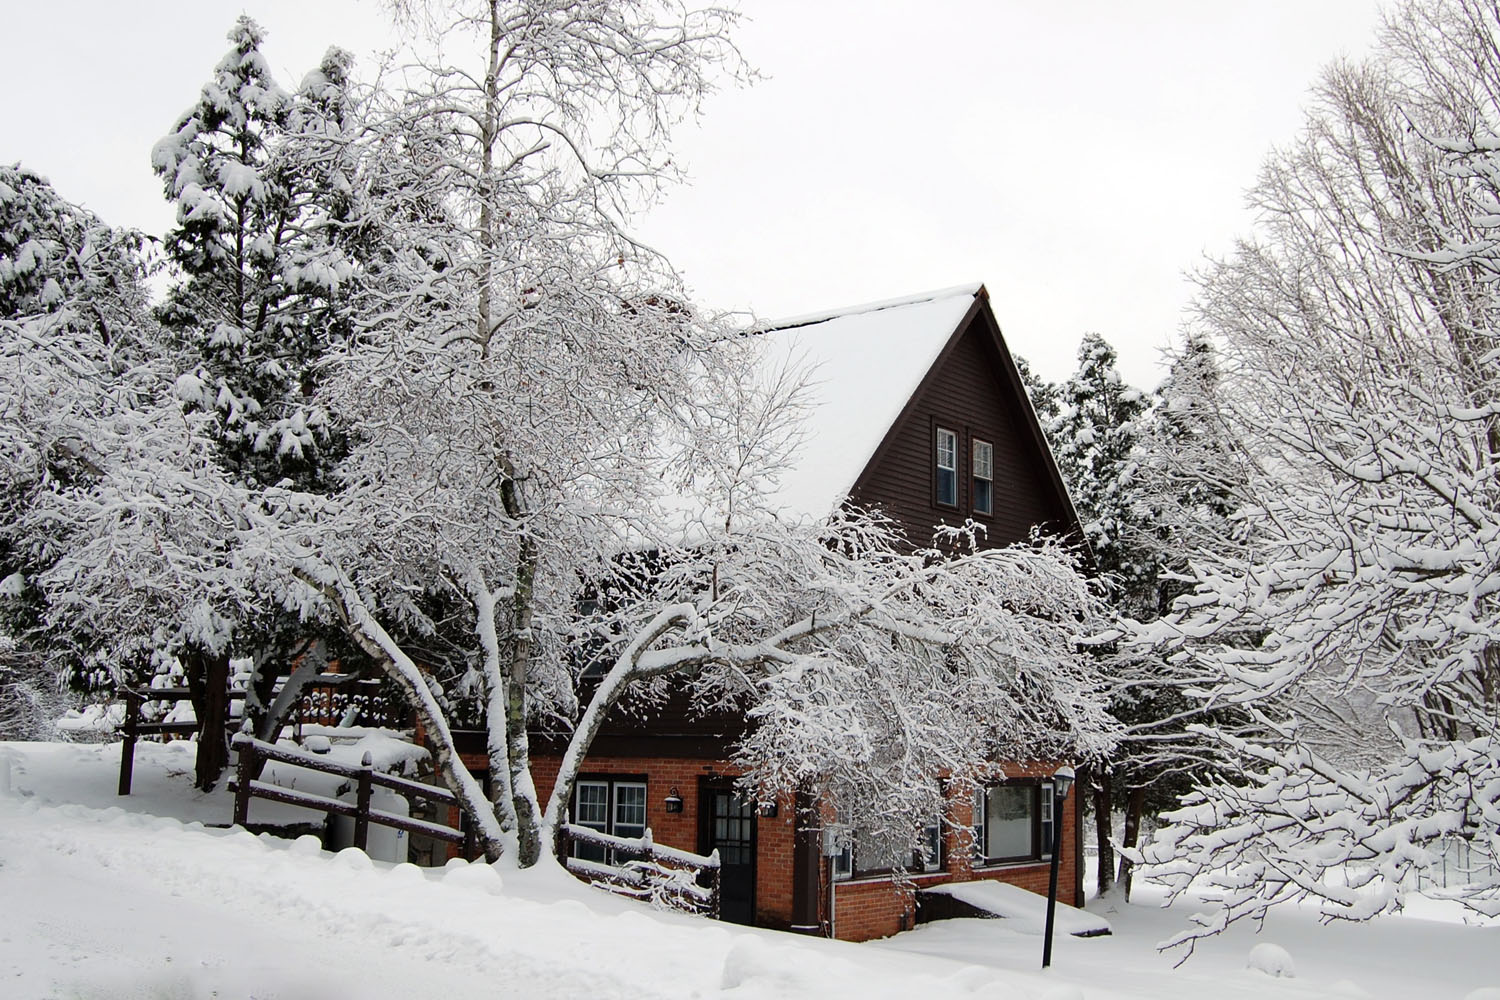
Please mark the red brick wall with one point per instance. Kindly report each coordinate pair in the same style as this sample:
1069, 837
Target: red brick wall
773, 835
863, 908
879, 907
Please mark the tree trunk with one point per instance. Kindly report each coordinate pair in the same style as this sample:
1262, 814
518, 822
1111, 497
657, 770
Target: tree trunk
208, 689
371, 637
1104, 831
1134, 804
528, 812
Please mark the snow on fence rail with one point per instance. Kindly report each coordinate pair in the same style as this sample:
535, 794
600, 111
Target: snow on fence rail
253, 751
644, 869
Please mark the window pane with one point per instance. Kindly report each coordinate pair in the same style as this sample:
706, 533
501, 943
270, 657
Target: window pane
630, 808
932, 847
982, 501
591, 809
984, 460
843, 863
1048, 799
947, 487
592, 805
1008, 822
947, 467
880, 851
947, 449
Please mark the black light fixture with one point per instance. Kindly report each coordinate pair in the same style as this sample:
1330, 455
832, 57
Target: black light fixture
1062, 783
768, 810
674, 801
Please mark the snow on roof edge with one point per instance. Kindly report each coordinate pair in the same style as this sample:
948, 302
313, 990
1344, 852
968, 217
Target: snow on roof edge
807, 319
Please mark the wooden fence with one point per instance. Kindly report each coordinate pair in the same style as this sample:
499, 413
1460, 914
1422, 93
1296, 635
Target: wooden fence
326, 700
252, 752
134, 727
636, 866
640, 868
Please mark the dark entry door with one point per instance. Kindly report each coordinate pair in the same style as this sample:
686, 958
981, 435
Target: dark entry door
731, 831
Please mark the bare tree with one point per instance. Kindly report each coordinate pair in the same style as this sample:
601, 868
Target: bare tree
1355, 618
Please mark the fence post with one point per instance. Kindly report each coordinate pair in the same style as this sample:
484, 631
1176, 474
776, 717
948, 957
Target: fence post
127, 746
362, 804
245, 774
471, 842
713, 892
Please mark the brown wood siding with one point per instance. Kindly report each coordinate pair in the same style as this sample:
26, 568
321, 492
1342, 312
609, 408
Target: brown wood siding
967, 394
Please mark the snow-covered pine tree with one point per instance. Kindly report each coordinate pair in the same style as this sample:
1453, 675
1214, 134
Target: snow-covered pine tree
1184, 489
267, 247
74, 328
1098, 418
1043, 394
264, 187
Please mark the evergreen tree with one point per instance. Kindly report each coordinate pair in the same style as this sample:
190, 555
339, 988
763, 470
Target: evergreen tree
266, 243
1043, 394
1093, 434
263, 185
74, 327
1098, 420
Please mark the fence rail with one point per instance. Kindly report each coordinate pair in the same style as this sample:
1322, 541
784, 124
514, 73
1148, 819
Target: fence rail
326, 699
134, 727
252, 752
644, 869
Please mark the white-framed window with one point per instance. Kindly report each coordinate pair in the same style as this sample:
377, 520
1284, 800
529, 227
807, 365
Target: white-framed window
616, 807
629, 819
843, 862
947, 467
984, 477
868, 852
1013, 822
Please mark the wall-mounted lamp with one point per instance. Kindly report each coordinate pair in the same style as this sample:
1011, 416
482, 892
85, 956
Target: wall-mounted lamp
768, 810
674, 801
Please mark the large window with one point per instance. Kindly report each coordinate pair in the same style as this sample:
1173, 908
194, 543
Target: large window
984, 477
609, 806
947, 467
1013, 822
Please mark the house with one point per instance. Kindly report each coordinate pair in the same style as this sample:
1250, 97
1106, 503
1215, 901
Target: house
920, 411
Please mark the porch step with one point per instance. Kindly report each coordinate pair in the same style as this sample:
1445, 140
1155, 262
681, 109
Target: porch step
1025, 911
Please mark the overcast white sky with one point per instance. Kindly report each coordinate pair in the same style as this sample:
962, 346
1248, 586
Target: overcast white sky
1075, 155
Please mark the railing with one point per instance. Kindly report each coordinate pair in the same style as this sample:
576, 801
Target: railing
646, 870
330, 699
253, 751
326, 699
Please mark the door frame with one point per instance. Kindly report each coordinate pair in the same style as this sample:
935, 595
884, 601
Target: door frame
707, 787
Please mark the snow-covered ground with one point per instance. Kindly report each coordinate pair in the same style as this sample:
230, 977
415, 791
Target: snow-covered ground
100, 902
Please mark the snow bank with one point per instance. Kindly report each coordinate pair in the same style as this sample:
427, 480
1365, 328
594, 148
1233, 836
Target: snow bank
129, 905
1272, 959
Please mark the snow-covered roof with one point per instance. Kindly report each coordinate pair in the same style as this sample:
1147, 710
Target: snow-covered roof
865, 362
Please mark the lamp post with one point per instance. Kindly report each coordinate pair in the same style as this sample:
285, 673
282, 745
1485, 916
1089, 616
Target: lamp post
1062, 782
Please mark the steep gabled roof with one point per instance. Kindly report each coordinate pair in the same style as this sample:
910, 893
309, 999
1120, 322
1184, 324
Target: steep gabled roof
865, 364
868, 364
